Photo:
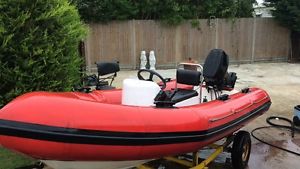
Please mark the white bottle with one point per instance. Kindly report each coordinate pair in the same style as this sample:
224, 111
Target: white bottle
152, 60
143, 59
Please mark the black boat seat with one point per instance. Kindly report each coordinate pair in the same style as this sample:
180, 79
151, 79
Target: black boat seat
183, 76
105, 68
108, 69
183, 94
188, 77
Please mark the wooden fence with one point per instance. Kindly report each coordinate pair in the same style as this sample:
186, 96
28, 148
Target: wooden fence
245, 40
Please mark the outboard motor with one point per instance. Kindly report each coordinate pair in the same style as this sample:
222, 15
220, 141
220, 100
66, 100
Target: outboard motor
215, 71
229, 81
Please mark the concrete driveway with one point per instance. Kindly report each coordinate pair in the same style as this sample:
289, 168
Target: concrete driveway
282, 82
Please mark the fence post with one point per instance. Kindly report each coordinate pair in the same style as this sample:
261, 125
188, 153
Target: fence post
133, 44
87, 50
253, 40
217, 33
178, 45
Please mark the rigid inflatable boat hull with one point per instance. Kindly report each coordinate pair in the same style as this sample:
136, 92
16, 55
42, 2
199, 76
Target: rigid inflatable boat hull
78, 127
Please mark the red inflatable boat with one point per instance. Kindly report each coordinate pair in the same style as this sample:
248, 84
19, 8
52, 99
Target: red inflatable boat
116, 125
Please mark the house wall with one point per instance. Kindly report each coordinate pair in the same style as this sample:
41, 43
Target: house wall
262, 11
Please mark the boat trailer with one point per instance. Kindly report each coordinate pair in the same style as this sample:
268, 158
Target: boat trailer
239, 145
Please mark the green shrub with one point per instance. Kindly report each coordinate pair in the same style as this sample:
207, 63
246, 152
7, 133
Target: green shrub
38, 46
287, 12
171, 12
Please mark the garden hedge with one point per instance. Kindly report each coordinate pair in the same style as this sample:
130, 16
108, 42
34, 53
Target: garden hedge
38, 47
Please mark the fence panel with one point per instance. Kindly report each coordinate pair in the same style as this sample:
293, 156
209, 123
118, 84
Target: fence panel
199, 40
272, 42
108, 42
245, 40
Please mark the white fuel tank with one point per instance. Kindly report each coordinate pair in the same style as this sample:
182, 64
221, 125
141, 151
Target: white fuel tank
139, 92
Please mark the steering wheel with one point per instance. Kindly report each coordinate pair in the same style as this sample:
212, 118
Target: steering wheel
152, 73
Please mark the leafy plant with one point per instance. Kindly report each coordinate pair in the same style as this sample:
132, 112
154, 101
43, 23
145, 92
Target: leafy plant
172, 12
287, 12
38, 46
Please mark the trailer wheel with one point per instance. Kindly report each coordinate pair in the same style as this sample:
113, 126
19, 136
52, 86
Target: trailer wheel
241, 149
296, 121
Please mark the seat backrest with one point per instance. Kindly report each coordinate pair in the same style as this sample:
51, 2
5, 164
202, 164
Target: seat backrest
215, 68
188, 77
105, 68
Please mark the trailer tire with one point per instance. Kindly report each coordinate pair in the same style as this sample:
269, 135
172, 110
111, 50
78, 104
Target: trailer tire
241, 149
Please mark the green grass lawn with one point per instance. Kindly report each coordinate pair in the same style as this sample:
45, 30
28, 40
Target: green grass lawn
11, 160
